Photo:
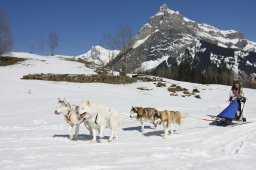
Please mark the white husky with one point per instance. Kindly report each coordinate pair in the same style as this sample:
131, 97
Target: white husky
71, 116
99, 117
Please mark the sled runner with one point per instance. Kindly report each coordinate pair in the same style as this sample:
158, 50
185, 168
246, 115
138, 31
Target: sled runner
230, 113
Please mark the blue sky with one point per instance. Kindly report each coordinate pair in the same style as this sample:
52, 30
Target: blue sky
80, 24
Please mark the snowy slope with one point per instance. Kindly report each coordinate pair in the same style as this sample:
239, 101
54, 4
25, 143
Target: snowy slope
33, 137
99, 55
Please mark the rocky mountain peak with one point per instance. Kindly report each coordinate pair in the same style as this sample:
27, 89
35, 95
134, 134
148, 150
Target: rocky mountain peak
162, 20
168, 39
164, 8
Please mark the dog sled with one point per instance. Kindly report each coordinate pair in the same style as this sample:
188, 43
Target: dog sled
232, 112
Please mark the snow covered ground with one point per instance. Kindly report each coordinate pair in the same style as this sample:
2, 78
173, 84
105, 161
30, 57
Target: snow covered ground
33, 137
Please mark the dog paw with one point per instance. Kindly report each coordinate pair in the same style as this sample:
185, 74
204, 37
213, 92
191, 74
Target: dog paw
93, 141
165, 137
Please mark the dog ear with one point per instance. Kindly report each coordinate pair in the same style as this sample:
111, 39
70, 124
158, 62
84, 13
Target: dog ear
65, 101
155, 112
82, 100
73, 107
69, 106
158, 113
88, 102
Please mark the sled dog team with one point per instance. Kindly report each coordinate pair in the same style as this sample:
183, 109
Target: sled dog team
97, 117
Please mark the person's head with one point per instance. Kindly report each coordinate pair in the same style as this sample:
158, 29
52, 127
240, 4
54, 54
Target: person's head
236, 84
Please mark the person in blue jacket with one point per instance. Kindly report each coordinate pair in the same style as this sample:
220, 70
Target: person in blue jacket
237, 92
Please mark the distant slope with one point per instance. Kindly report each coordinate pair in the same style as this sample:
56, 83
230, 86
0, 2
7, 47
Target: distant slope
36, 64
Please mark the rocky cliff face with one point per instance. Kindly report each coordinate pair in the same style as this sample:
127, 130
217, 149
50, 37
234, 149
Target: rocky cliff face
169, 38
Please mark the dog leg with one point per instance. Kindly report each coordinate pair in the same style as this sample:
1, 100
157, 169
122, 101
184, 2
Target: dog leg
70, 132
179, 128
76, 127
170, 129
116, 135
89, 128
94, 136
165, 132
111, 136
101, 131
142, 127
113, 133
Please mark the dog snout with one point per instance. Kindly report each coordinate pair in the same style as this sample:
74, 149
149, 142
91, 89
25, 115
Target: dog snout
56, 112
132, 115
156, 121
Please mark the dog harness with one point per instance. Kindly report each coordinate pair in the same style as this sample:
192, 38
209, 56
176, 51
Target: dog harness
96, 119
68, 117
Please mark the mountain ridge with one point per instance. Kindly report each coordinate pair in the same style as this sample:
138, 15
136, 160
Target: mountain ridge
168, 36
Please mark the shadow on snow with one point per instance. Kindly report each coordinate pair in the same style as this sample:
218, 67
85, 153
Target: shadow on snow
79, 137
136, 128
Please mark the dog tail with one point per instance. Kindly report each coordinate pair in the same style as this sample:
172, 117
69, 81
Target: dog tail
184, 115
121, 121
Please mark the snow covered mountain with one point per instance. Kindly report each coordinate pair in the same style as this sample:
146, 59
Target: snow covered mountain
169, 39
99, 55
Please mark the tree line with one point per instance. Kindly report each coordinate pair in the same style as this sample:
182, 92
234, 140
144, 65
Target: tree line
212, 75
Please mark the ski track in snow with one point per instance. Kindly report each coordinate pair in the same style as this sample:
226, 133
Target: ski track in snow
33, 137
